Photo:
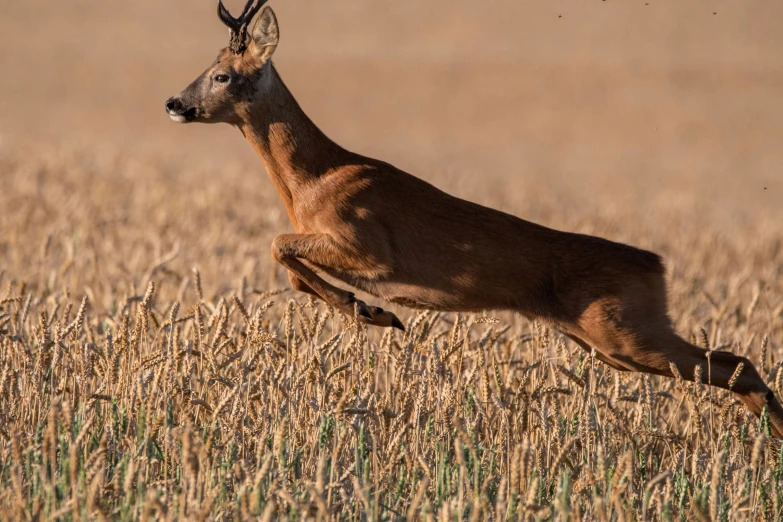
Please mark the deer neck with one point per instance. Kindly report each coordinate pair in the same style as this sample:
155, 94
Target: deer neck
293, 149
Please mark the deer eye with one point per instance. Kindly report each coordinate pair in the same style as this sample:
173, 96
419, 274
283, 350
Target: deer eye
221, 78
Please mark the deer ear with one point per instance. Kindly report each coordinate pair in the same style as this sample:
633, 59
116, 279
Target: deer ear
265, 34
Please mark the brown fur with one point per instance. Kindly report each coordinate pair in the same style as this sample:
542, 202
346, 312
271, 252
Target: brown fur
379, 229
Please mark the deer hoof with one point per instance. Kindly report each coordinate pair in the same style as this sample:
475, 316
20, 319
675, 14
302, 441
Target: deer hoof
380, 317
383, 318
396, 323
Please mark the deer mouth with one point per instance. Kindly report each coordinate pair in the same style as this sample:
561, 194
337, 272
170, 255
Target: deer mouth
183, 116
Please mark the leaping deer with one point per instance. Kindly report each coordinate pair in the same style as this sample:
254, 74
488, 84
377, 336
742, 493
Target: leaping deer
394, 236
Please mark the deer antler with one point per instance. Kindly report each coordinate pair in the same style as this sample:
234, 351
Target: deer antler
238, 26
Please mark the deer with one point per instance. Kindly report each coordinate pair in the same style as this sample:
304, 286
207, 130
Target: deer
375, 228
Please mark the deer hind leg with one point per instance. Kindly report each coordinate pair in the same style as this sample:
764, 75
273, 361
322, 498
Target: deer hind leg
718, 368
321, 250
650, 345
749, 387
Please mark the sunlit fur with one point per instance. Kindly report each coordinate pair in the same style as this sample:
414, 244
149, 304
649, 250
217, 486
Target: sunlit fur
379, 229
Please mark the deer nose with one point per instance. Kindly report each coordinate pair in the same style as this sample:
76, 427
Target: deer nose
174, 105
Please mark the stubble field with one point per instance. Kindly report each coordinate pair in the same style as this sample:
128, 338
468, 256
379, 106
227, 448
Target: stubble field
154, 366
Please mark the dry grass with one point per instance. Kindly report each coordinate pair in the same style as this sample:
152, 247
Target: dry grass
135, 386
657, 125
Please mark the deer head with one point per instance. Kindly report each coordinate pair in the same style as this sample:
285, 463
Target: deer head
227, 90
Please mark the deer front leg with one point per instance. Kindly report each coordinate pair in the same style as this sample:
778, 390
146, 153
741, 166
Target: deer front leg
321, 250
301, 286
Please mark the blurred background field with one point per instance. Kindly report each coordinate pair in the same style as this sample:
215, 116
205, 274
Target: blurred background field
656, 123
652, 105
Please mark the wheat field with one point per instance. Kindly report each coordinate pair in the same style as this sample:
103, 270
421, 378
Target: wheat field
154, 364
143, 381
